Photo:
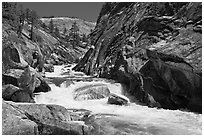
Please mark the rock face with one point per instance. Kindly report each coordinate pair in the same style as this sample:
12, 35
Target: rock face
39, 119
90, 92
154, 49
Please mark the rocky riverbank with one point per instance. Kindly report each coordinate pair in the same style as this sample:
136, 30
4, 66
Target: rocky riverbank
20, 81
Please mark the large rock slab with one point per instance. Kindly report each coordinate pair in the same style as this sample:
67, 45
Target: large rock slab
89, 92
39, 119
14, 122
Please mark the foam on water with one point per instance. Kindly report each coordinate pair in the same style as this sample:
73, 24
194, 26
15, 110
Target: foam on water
62, 71
168, 121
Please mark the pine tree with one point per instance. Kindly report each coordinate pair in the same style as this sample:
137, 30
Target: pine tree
74, 34
84, 38
65, 31
57, 33
67, 38
43, 25
51, 26
16, 16
21, 20
27, 14
10, 12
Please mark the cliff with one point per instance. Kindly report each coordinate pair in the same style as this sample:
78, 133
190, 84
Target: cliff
154, 49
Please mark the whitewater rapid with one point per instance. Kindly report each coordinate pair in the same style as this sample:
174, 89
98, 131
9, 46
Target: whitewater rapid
166, 121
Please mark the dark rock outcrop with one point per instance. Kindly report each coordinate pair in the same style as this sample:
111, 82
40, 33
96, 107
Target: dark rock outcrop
16, 94
131, 38
171, 86
8, 90
22, 96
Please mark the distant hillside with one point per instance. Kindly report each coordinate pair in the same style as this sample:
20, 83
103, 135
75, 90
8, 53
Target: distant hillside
61, 22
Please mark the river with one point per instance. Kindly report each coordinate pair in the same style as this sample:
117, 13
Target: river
140, 119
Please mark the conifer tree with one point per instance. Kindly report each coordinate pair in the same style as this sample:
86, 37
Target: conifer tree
43, 25
74, 34
65, 31
51, 26
27, 14
21, 20
84, 38
57, 33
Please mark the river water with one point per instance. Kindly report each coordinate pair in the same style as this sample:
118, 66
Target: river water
152, 120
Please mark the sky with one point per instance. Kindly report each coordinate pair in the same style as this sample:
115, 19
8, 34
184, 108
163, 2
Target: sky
84, 10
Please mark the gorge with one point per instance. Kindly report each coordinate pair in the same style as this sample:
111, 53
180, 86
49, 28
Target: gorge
139, 74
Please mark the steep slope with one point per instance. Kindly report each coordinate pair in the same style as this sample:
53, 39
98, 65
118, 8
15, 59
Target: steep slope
85, 27
52, 51
57, 52
154, 49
